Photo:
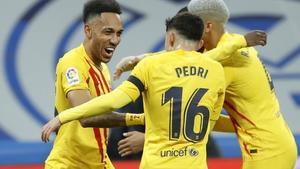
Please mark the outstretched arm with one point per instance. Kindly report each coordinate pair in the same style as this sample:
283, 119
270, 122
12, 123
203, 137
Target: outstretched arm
113, 119
100, 105
78, 97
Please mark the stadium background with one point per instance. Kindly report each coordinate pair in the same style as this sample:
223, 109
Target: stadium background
35, 33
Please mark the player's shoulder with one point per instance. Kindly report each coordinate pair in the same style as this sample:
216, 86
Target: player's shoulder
244, 52
71, 58
152, 58
210, 61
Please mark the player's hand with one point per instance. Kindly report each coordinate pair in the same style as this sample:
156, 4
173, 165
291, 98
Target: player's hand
48, 128
133, 143
255, 38
126, 64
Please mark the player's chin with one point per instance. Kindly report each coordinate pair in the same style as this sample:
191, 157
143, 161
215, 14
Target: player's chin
106, 59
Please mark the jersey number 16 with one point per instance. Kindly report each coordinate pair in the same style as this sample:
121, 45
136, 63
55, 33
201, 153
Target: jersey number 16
191, 111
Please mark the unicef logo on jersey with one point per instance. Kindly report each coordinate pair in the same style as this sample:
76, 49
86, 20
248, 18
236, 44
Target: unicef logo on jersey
191, 151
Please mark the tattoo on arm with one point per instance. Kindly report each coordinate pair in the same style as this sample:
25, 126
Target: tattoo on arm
108, 120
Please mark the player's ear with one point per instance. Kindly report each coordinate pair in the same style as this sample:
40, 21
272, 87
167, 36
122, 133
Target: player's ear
208, 27
88, 31
169, 41
200, 44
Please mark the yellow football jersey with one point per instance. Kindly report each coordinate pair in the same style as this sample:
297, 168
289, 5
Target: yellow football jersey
182, 92
183, 95
253, 107
76, 147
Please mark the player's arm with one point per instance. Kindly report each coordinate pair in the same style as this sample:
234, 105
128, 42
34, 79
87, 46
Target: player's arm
215, 115
128, 63
217, 111
113, 119
97, 106
226, 50
224, 124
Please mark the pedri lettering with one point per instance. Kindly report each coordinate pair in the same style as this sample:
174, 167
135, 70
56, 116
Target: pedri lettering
191, 71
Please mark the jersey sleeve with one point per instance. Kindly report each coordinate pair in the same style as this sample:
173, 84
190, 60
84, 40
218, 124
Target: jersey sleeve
224, 52
73, 76
137, 81
97, 106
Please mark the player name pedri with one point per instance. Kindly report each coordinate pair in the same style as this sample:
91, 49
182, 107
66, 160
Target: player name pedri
191, 71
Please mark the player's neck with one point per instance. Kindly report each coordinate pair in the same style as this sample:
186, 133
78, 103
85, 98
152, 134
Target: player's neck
214, 39
96, 62
185, 45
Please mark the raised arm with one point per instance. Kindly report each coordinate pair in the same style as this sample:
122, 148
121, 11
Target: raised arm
225, 51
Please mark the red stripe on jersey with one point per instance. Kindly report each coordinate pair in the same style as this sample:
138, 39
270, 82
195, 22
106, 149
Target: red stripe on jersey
95, 80
99, 141
246, 149
98, 81
105, 82
235, 125
87, 81
238, 113
97, 130
108, 90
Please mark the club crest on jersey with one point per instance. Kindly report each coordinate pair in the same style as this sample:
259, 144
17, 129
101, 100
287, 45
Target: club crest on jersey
72, 76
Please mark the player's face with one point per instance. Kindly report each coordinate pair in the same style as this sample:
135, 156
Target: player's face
106, 30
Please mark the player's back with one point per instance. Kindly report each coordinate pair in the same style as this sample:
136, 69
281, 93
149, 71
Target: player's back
253, 106
181, 93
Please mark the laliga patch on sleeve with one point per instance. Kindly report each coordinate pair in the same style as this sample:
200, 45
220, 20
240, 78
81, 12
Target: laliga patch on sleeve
72, 76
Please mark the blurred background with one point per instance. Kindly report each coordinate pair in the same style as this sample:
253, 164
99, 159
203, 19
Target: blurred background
34, 34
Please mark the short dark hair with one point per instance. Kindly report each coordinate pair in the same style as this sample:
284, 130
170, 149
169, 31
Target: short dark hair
186, 24
96, 7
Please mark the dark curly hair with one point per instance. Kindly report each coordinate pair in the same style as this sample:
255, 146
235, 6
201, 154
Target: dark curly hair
96, 7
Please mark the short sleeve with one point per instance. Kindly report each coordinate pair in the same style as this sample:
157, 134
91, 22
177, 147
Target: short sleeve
73, 76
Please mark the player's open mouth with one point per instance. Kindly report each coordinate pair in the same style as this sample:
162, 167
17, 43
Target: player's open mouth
109, 51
